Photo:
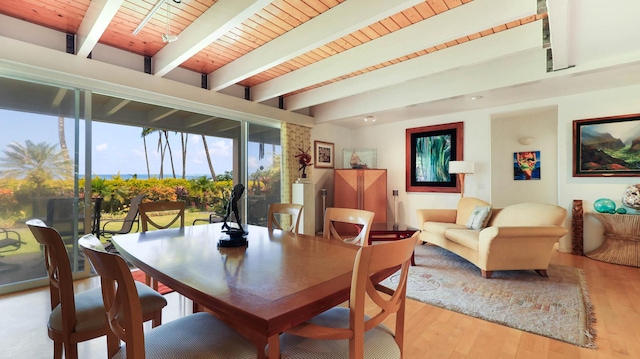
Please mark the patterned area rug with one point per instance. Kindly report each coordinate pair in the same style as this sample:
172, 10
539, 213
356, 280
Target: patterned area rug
557, 307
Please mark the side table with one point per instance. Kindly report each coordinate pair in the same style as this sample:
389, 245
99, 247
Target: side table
621, 239
388, 232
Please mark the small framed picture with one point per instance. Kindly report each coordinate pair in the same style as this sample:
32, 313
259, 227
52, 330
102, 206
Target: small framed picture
324, 154
526, 165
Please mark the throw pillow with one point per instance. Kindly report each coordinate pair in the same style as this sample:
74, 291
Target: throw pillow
479, 218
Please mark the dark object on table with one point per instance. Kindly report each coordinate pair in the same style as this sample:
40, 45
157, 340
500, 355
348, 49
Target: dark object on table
236, 235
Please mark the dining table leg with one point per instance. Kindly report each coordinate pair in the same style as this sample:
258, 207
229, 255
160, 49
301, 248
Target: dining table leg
274, 346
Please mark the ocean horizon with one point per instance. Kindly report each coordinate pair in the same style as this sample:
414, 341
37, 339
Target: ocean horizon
144, 176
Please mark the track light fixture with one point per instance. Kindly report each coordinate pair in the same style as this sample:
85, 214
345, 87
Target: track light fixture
167, 37
153, 11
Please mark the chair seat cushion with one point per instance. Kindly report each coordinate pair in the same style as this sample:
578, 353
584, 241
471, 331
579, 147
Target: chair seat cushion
199, 335
90, 313
379, 342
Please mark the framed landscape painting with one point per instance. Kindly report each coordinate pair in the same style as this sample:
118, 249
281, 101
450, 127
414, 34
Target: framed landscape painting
428, 152
607, 146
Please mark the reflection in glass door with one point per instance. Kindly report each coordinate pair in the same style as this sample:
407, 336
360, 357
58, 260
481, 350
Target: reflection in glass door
39, 150
264, 155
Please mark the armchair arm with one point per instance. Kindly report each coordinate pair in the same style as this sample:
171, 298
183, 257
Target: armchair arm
492, 239
436, 215
9, 231
104, 229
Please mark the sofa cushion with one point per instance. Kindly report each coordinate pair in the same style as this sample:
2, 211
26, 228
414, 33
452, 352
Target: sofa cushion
479, 217
440, 227
465, 207
464, 237
529, 214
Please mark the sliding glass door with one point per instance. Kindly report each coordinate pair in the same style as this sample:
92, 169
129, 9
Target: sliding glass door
40, 151
62, 151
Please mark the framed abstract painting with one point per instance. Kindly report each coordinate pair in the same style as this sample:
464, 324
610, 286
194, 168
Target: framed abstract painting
428, 152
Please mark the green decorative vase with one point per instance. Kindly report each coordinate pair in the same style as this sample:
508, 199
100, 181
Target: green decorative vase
605, 205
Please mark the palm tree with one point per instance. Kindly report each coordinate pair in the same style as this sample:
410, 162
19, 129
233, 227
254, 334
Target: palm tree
183, 141
37, 163
168, 147
206, 150
145, 132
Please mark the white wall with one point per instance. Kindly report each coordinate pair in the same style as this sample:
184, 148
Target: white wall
540, 124
322, 177
389, 140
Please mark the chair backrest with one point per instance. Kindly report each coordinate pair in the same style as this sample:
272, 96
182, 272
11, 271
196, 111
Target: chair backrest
370, 260
120, 296
290, 211
360, 219
132, 215
176, 208
58, 270
61, 217
380, 301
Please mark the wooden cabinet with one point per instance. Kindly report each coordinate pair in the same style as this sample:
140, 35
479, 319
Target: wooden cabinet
362, 189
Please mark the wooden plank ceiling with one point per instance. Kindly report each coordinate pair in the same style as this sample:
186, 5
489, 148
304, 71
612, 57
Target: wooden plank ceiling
231, 41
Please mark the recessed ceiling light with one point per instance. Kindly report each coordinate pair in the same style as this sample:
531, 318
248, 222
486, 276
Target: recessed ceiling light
369, 119
476, 97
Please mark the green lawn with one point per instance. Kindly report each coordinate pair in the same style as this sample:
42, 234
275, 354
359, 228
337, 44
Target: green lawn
32, 246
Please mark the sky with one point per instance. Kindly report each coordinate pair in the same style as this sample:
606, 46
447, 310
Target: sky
120, 149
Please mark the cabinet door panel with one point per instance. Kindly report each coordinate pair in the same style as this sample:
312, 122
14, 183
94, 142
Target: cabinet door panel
362, 189
375, 193
345, 189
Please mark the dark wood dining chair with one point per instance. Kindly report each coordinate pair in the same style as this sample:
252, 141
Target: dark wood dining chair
77, 317
279, 213
346, 332
358, 220
126, 223
199, 335
174, 209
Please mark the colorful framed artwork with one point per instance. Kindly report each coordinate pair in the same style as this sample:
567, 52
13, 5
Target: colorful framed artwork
325, 154
526, 165
607, 146
428, 152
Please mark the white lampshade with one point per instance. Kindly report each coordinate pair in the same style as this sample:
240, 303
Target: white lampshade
461, 167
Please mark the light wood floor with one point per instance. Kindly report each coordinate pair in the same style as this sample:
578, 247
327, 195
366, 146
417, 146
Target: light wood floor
430, 332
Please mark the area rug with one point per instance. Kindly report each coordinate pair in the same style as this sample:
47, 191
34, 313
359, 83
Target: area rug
139, 276
557, 307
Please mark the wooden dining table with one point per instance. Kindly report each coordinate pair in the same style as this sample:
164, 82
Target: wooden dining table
279, 280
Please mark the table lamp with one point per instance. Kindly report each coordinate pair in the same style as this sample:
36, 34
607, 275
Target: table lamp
461, 168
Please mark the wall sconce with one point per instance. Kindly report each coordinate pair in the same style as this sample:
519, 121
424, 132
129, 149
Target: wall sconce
461, 168
526, 140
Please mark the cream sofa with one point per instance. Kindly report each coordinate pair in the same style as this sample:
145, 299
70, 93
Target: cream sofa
516, 237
